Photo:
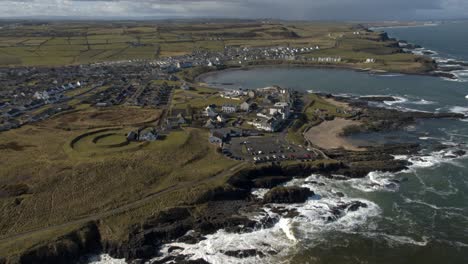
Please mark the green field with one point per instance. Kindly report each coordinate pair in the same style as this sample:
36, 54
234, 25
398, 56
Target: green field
54, 44
49, 178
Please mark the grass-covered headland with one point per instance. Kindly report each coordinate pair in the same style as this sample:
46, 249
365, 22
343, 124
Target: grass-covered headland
73, 183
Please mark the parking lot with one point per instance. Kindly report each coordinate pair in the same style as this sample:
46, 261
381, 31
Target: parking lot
269, 148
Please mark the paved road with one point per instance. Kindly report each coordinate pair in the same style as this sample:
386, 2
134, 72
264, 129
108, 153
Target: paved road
126, 207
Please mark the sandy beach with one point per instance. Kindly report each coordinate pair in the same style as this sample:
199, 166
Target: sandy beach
327, 134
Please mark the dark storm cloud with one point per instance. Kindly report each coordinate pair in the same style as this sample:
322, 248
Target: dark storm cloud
284, 9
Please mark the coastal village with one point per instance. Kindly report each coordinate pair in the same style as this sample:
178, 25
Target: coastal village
120, 144
28, 89
36, 94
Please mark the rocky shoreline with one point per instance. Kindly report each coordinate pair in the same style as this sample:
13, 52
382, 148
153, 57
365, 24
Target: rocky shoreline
228, 207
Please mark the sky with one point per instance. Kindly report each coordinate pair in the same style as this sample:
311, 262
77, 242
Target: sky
275, 9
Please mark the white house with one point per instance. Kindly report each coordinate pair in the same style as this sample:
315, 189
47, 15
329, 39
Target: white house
245, 106
229, 108
210, 112
281, 108
221, 119
266, 124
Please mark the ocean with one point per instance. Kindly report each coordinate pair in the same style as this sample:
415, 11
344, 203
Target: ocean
415, 216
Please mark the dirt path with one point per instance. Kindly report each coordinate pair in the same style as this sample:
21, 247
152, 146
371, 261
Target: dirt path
327, 134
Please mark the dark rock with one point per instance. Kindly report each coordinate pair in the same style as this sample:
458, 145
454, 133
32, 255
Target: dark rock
223, 215
288, 195
225, 193
459, 152
377, 98
145, 251
285, 212
270, 182
354, 206
444, 75
340, 194
180, 259
196, 261
168, 216
66, 249
244, 253
311, 182
172, 248
191, 238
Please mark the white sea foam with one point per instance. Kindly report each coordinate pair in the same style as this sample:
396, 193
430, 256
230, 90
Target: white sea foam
213, 247
459, 110
389, 75
105, 259
259, 193
375, 181
432, 206
401, 103
422, 102
315, 216
433, 159
398, 100
398, 240
461, 75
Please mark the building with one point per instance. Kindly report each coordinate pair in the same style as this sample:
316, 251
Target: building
210, 124
150, 135
271, 124
245, 106
221, 119
281, 108
132, 136
221, 135
175, 122
229, 108
210, 111
184, 65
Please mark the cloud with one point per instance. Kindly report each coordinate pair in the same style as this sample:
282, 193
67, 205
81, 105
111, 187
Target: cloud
282, 9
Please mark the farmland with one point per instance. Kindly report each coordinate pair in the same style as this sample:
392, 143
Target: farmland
56, 44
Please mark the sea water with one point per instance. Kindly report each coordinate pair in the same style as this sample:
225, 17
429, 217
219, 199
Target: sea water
415, 216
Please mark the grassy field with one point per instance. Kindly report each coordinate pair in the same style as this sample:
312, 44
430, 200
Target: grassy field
45, 181
75, 43
199, 98
89, 118
54, 44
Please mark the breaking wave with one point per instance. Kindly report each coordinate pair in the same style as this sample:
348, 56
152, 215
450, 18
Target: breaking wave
446, 65
327, 211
